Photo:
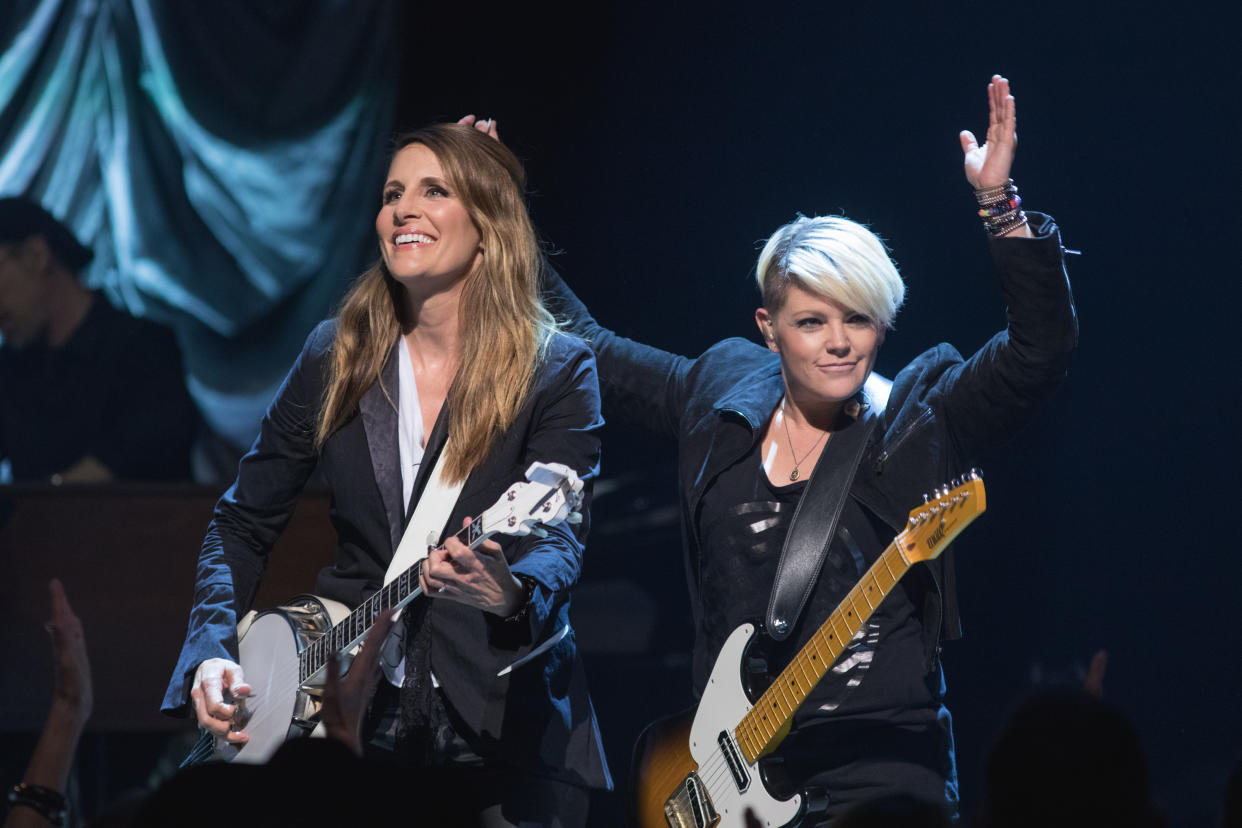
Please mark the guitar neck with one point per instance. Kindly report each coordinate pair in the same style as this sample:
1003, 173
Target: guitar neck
765, 725
393, 595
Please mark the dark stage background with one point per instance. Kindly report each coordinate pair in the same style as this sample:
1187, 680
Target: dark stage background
663, 144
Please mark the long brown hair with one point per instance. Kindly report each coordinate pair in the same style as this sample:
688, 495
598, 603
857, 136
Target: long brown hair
504, 329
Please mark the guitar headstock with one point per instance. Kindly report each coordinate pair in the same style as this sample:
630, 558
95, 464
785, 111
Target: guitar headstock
942, 517
551, 494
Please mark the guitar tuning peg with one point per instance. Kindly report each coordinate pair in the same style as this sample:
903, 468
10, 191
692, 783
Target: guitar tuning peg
539, 531
926, 497
574, 518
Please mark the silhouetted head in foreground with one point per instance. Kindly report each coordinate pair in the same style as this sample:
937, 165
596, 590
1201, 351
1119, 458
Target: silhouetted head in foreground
1068, 759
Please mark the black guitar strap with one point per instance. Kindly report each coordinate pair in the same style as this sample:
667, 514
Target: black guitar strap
814, 522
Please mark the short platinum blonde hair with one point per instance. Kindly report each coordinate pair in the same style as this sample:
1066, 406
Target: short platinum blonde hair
836, 258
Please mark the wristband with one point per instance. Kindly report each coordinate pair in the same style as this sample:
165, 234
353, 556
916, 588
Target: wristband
1000, 208
528, 591
48, 803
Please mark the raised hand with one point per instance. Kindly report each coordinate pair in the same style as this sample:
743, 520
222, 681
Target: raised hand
47, 773
1093, 683
479, 577
989, 165
487, 127
71, 670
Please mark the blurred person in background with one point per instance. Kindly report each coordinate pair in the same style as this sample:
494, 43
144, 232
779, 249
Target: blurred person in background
87, 393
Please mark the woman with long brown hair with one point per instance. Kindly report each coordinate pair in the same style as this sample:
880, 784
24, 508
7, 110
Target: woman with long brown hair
442, 347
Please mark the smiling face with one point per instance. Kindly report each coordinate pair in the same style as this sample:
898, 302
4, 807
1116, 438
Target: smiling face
827, 350
427, 239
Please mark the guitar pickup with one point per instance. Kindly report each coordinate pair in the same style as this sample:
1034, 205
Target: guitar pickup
733, 758
690, 806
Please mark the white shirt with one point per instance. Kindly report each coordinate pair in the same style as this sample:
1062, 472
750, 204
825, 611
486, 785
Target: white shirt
411, 432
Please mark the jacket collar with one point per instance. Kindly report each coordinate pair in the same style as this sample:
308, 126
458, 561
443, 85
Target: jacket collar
379, 420
755, 395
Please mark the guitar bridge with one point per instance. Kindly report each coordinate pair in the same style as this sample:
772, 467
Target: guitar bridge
690, 806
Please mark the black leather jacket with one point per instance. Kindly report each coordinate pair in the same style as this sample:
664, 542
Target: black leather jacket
941, 412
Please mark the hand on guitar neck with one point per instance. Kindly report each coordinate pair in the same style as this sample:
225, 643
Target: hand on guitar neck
478, 576
290, 651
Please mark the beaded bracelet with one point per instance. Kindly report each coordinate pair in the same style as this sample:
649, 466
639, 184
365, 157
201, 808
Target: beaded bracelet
1000, 208
50, 804
529, 585
996, 231
987, 194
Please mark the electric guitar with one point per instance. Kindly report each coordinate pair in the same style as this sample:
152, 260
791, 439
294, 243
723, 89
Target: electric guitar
284, 652
701, 769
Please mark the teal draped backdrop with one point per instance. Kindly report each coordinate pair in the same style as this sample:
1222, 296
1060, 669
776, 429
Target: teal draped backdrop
223, 160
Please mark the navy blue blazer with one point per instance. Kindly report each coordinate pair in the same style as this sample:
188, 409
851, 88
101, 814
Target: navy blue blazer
539, 716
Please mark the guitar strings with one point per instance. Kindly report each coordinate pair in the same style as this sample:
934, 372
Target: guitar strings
715, 772
293, 672
359, 621
279, 700
263, 707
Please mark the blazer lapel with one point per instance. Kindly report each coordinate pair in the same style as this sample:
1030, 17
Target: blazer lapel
379, 420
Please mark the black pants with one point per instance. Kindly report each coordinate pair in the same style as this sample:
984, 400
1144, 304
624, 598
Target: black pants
460, 788
853, 763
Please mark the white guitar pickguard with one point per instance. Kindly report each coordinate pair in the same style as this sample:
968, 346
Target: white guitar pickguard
721, 709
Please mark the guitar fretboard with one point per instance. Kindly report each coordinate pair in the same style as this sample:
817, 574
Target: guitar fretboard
393, 595
766, 721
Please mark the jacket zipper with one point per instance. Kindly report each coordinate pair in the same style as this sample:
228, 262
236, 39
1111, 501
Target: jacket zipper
924, 416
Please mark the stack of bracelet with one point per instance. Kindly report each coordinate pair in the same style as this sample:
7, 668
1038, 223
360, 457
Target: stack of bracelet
49, 803
1000, 208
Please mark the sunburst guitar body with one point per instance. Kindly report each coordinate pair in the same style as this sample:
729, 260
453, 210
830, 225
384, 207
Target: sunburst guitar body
701, 769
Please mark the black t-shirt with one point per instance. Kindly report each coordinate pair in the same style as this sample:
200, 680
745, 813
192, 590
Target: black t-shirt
743, 522
114, 391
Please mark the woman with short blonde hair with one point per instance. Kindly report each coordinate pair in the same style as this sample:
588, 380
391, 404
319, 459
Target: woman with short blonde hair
758, 425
